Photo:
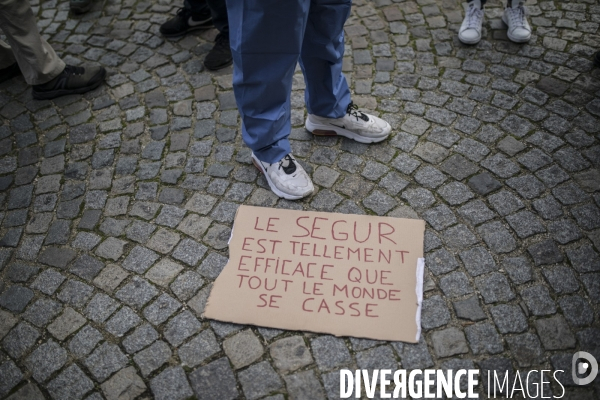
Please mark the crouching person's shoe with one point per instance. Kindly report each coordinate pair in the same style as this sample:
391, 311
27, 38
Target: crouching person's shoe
73, 80
286, 177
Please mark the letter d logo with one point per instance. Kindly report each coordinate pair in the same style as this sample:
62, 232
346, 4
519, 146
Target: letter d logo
590, 365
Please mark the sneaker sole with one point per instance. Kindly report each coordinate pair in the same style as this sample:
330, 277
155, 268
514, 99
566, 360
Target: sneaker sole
212, 68
183, 33
63, 92
274, 188
464, 41
512, 38
329, 130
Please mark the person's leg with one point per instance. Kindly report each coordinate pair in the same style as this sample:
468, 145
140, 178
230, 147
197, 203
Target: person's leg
218, 10
8, 63
36, 58
330, 108
266, 38
220, 55
327, 93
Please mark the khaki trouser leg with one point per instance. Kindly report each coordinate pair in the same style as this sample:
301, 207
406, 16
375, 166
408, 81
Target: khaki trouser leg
37, 60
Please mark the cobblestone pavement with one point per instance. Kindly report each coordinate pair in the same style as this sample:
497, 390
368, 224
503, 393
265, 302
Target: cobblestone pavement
116, 207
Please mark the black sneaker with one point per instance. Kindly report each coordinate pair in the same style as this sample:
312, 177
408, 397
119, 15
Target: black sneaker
80, 6
73, 80
220, 55
597, 59
185, 22
9, 72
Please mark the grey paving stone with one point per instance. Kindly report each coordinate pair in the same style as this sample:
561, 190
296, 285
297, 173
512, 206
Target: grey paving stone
141, 337
440, 217
259, 380
20, 339
45, 360
75, 293
483, 338
105, 360
526, 349
434, 313
215, 380
199, 349
440, 262
497, 237
554, 333
110, 277
494, 287
86, 267
469, 308
153, 357
448, 342
161, 309
561, 278
545, 252
29, 392
304, 385
139, 259
122, 321
330, 352
84, 341
576, 310
455, 284
48, 281
125, 384
505, 202
181, 327
136, 293
71, 383
584, 259
564, 231
171, 384
11, 375
100, 308
16, 298
42, 311
243, 349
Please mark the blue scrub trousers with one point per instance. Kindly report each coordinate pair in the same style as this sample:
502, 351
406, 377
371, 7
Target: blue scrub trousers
267, 39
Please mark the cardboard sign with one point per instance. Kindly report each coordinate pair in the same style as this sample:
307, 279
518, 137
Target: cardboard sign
347, 275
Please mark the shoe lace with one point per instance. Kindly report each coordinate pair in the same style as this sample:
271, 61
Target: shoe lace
353, 111
73, 70
290, 168
516, 16
474, 15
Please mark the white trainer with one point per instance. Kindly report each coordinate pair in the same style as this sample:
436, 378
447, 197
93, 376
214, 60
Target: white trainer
286, 177
470, 30
519, 30
357, 125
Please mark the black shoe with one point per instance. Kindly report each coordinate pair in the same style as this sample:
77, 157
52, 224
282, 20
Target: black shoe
597, 59
80, 6
73, 80
9, 72
220, 55
185, 22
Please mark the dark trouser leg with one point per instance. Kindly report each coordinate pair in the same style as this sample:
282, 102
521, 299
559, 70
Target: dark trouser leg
218, 9
196, 6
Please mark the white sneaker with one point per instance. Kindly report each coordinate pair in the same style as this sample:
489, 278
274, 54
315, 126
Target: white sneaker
363, 128
286, 178
470, 30
519, 30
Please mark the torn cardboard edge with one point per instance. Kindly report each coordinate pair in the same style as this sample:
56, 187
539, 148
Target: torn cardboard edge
228, 294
